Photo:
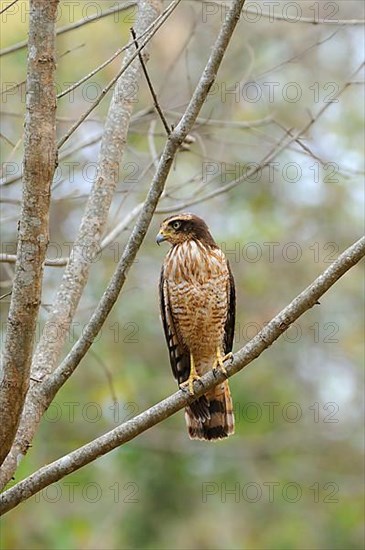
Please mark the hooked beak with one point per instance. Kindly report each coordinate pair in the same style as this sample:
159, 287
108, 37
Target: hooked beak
160, 238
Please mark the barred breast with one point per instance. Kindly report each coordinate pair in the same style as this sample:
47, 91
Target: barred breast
198, 281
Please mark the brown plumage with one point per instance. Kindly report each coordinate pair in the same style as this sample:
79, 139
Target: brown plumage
197, 299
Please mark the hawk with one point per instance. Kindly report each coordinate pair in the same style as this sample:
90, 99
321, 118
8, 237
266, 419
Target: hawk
197, 300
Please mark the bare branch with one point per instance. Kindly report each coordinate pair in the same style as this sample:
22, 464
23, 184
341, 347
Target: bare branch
109, 238
93, 106
19, 84
129, 430
76, 25
173, 143
39, 165
300, 55
306, 20
96, 212
61, 156
8, 6
91, 73
91, 229
128, 61
282, 144
104, 64
38, 400
154, 96
11, 259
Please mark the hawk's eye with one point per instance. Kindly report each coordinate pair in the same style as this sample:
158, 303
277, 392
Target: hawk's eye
176, 225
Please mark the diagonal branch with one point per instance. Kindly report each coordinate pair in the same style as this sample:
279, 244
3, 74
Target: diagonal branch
39, 165
8, 6
86, 244
41, 396
177, 136
129, 430
94, 219
72, 26
128, 60
153, 93
272, 16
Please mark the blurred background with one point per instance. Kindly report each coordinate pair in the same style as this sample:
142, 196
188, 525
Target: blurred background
292, 475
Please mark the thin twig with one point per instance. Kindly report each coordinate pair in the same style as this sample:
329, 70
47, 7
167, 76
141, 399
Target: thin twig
155, 26
99, 68
62, 156
98, 100
92, 73
306, 20
76, 25
6, 91
8, 6
299, 55
276, 150
7, 140
108, 375
154, 96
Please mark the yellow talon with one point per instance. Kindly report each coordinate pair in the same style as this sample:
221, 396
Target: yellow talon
189, 383
220, 360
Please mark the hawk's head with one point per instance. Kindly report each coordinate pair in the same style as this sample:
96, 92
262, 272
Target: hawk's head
184, 227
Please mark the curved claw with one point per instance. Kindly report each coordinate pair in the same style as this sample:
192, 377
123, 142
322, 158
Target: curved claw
189, 383
220, 360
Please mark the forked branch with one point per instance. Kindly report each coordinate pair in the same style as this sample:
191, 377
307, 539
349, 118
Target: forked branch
41, 394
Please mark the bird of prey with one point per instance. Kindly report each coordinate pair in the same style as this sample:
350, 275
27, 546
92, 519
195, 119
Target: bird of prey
197, 300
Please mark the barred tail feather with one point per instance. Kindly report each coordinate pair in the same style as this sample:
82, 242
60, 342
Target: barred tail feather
211, 417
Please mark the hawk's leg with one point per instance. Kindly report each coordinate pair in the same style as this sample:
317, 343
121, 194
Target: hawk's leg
220, 360
189, 383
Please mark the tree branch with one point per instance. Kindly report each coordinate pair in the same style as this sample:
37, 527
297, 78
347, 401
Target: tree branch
41, 395
8, 6
72, 26
92, 225
127, 62
129, 430
39, 166
93, 222
177, 136
153, 93
306, 20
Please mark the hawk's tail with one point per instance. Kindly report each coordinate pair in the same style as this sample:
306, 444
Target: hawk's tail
211, 416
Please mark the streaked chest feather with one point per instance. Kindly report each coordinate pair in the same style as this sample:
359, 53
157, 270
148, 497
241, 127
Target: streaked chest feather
197, 280
193, 263
197, 288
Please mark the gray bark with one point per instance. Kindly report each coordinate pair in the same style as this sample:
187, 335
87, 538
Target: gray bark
39, 165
